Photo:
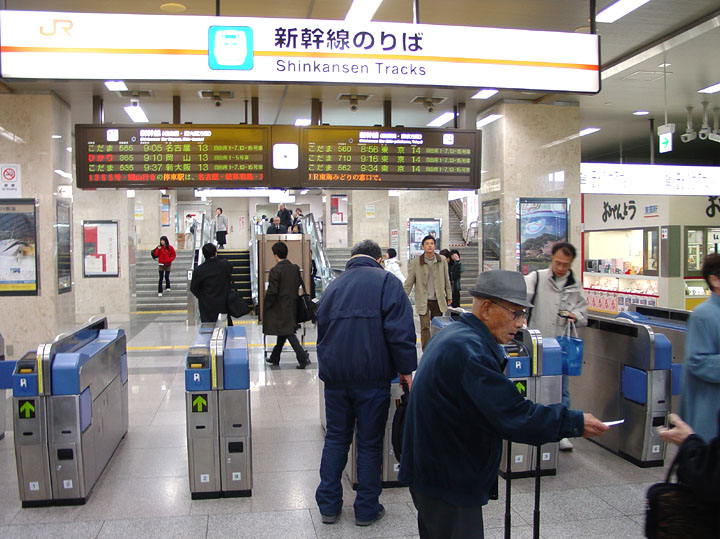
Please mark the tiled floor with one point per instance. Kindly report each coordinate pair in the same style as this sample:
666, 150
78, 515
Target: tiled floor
144, 490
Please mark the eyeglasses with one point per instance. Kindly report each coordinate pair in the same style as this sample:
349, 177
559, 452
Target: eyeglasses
521, 314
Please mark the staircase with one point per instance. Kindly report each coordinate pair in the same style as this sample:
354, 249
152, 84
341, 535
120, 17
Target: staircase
455, 225
338, 257
240, 259
146, 282
469, 258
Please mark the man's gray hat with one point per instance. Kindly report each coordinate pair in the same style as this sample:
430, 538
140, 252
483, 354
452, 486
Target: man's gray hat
501, 284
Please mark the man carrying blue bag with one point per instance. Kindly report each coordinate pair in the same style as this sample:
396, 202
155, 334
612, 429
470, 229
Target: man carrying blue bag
558, 305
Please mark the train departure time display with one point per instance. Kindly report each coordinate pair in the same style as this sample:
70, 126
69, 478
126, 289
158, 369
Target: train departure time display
390, 158
168, 155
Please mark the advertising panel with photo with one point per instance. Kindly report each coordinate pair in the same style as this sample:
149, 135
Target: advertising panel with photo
338, 209
417, 230
63, 220
18, 240
491, 222
100, 249
542, 223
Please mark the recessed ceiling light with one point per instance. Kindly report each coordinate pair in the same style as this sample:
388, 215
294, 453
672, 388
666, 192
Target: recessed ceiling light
441, 120
618, 10
302, 122
173, 7
588, 131
55, 136
666, 64
136, 113
115, 86
710, 89
362, 10
485, 94
490, 118
641, 112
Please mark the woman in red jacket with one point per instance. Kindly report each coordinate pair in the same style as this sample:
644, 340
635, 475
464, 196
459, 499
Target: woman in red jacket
164, 254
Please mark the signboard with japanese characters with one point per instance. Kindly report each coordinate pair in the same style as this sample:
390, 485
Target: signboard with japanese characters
52, 45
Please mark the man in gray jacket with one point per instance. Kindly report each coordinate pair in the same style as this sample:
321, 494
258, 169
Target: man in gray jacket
557, 297
428, 274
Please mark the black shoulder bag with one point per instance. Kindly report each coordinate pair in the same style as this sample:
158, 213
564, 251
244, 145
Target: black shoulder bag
305, 306
398, 422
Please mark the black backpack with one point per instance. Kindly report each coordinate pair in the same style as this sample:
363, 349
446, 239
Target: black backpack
398, 423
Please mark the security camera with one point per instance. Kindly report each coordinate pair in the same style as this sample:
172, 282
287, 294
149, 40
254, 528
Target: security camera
690, 133
429, 105
218, 101
431, 109
134, 102
715, 137
704, 132
687, 137
353, 104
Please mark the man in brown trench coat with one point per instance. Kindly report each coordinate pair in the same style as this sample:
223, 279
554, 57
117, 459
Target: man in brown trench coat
280, 307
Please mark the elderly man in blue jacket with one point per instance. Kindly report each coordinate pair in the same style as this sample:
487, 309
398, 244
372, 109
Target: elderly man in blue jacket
462, 406
366, 337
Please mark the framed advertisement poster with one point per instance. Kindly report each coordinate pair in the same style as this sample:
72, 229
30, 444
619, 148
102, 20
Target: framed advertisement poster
100, 249
338, 209
542, 222
417, 230
165, 210
491, 235
18, 240
63, 219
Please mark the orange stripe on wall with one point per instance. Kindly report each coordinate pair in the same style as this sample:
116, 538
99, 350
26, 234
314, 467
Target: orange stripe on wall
308, 54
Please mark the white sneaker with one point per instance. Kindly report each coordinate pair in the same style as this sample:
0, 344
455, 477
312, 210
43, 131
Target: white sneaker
159, 294
566, 445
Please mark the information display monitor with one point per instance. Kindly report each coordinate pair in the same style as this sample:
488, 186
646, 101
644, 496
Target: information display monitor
382, 158
167, 155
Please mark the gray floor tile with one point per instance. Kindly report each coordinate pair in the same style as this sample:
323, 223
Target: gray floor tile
398, 519
263, 434
42, 515
276, 524
605, 528
561, 506
281, 491
221, 506
516, 532
629, 499
158, 436
287, 456
76, 530
192, 527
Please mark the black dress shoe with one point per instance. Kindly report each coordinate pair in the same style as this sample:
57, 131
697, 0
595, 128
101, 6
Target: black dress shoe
272, 362
305, 363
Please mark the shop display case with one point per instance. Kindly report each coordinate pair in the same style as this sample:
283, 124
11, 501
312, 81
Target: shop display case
699, 242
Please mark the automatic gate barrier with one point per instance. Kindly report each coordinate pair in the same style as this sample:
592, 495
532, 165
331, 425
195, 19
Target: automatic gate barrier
70, 412
217, 406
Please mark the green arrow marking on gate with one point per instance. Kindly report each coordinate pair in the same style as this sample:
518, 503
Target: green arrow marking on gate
198, 403
520, 387
27, 409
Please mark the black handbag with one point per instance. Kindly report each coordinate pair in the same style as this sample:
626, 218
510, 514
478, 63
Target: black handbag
398, 422
306, 310
236, 304
674, 511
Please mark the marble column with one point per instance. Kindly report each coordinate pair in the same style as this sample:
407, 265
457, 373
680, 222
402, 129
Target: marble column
368, 216
531, 151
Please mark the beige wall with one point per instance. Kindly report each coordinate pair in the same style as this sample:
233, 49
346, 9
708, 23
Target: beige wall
31, 320
363, 224
148, 228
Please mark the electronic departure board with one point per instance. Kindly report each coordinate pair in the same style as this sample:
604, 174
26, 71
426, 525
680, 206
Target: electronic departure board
167, 155
361, 157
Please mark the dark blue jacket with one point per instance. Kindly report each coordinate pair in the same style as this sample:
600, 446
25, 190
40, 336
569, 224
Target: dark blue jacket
366, 332
461, 408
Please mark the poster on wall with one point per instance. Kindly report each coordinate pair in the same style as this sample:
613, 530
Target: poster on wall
491, 235
542, 222
18, 257
417, 230
100, 249
63, 219
165, 210
338, 209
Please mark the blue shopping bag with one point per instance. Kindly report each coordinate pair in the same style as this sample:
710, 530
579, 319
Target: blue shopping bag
572, 350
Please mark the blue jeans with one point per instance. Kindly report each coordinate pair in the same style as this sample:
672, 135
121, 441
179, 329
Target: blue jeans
565, 390
348, 409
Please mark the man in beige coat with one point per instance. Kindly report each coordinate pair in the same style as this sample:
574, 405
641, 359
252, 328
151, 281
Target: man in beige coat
428, 273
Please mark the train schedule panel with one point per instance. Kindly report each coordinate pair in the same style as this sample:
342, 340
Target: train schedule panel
167, 155
382, 158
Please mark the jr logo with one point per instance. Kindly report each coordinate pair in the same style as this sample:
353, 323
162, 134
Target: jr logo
64, 25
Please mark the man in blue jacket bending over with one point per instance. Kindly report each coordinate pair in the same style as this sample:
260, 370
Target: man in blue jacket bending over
462, 406
366, 337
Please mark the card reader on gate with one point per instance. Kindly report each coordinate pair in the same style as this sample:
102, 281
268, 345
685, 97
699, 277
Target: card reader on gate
25, 376
198, 375
518, 359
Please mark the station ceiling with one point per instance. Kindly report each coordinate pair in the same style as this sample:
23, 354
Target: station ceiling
684, 34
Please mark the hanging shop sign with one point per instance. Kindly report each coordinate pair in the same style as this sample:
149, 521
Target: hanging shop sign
621, 179
165, 47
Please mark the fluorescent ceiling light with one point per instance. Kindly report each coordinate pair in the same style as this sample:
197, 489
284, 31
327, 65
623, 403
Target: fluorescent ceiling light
304, 191
441, 120
131, 193
136, 113
115, 86
362, 10
302, 122
641, 113
12, 137
69, 149
666, 64
710, 89
63, 174
490, 118
55, 136
588, 131
618, 10
485, 94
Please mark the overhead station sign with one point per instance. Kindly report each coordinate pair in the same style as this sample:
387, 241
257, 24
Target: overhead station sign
622, 179
166, 155
48, 45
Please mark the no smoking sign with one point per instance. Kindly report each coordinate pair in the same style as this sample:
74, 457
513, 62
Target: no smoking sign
10, 181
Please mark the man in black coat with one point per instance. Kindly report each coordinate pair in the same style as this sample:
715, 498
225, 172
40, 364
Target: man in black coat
211, 282
280, 306
276, 227
286, 217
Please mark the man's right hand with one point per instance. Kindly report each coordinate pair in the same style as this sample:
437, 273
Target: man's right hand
407, 378
593, 426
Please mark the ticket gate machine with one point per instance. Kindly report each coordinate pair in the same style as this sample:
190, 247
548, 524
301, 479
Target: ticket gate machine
626, 375
535, 367
217, 406
70, 412
673, 324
